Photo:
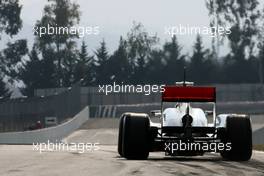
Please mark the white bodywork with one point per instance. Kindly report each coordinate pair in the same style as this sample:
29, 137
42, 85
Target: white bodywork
173, 116
221, 119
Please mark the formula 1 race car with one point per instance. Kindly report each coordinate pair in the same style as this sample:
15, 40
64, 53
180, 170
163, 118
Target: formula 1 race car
186, 127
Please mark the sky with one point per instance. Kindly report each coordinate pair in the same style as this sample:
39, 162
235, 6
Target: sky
116, 17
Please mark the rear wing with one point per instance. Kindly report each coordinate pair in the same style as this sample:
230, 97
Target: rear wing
188, 94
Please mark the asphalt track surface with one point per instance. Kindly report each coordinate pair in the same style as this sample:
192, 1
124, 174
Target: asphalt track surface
20, 160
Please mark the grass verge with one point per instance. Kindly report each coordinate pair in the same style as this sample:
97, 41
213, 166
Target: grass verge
259, 147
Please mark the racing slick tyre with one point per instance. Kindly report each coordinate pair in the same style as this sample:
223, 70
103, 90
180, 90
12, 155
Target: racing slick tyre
120, 135
135, 137
239, 133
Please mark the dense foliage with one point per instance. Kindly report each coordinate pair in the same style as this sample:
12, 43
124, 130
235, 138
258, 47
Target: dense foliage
140, 58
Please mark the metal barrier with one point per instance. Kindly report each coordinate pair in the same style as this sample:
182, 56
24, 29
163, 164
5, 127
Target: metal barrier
224, 93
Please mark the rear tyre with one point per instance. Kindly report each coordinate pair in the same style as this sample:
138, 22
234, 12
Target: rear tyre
135, 137
120, 135
239, 133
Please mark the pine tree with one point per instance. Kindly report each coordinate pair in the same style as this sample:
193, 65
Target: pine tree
83, 68
102, 65
49, 79
120, 67
36, 72
156, 68
31, 74
70, 61
174, 61
199, 67
4, 91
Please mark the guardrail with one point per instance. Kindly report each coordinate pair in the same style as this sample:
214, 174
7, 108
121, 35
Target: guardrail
224, 93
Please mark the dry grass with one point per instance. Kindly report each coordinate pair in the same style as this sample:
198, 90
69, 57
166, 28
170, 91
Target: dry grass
259, 147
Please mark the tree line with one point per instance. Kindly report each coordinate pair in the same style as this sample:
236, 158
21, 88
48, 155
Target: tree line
140, 58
